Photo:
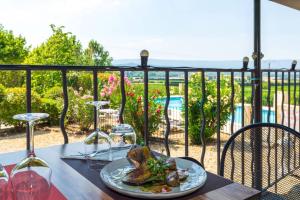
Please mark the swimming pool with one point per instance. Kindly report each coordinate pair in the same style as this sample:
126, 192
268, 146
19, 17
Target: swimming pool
176, 103
238, 115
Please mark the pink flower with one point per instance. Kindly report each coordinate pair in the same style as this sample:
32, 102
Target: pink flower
111, 78
127, 81
102, 94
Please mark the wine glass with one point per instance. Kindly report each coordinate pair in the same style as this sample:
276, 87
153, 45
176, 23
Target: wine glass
31, 178
98, 142
123, 135
3, 183
123, 138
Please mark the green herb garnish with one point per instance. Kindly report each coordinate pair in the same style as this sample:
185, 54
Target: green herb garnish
157, 166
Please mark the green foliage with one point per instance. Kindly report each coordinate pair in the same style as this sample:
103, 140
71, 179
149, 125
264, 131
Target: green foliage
61, 48
79, 112
209, 105
134, 111
53, 108
2, 93
96, 55
13, 48
81, 81
15, 103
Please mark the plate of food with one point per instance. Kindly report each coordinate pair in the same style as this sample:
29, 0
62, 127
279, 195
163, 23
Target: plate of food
143, 175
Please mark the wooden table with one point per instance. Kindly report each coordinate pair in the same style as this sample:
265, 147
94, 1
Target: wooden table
74, 186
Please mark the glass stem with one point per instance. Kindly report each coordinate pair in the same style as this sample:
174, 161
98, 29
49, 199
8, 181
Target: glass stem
31, 129
98, 119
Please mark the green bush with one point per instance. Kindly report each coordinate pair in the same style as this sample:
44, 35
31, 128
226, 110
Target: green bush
54, 93
79, 112
81, 81
2, 93
210, 106
14, 102
53, 108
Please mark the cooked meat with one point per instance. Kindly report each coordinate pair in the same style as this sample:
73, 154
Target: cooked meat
148, 168
138, 155
172, 179
138, 176
171, 163
183, 174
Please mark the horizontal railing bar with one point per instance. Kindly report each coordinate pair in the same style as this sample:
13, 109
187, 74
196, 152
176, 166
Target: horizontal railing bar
114, 68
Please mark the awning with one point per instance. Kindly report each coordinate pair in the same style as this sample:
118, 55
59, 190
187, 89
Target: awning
290, 3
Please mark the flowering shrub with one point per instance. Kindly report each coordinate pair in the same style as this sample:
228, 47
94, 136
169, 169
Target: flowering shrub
210, 106
134, 111
134, 107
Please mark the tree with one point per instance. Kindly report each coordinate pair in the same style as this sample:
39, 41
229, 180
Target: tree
61, 48
13, 48
96, 55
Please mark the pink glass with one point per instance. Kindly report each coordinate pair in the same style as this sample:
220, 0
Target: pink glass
31, 178
3, 183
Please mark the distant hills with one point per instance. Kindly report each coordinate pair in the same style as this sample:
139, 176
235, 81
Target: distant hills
274, 64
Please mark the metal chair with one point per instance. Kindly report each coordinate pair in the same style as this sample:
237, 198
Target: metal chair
279, 159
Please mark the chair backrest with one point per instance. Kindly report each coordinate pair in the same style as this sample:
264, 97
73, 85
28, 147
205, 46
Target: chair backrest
280, 156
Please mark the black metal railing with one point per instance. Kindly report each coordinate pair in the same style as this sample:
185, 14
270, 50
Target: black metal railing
243, 77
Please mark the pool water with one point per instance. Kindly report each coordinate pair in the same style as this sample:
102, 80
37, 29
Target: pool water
176, 103
238, 115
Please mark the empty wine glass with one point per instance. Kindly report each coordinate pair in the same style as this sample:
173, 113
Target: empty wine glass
3, 183
98, 142
31, 178
123, 135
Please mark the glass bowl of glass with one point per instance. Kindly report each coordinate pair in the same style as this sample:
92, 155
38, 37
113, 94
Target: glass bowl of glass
122, 136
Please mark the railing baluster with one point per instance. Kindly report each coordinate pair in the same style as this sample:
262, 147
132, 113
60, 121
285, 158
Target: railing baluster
276, 133
218, 123
167, 131
232, 123
243, 124
146, 118
282, 122
28, 105
252, 158
252, 121
252, 98
186, 113
289, 120
299, 112
66, 105
294, 141
95, 94
268, 137
121, 119
202, 133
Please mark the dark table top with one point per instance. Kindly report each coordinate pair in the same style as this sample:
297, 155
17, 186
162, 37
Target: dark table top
75, 184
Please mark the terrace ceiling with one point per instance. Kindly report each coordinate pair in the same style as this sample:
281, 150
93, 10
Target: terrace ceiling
290, 3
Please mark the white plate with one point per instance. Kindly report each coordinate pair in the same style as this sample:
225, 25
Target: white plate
113, 173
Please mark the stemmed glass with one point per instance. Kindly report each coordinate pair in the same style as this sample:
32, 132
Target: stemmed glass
98, 141
31, 178
123, 136
3, 183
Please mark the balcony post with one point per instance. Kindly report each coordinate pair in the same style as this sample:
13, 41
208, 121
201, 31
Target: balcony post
144, 64
257, 56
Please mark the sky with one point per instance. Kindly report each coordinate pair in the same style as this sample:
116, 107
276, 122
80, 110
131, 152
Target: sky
169, 29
